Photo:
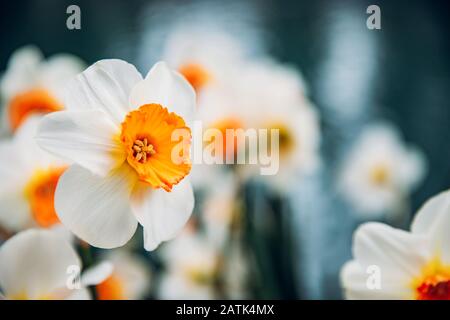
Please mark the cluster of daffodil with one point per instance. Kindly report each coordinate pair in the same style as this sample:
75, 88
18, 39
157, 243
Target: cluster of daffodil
86, 157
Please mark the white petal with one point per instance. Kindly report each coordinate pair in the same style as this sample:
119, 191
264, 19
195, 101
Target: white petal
428, 214
133, 271
22, 71
31, 154
412, 169
441, 237
87, 138
354, 280
433, 219
97, 274
14, 210
96, 209
398, 254
57, 70
105, 85
35, 263
162, 214
12, 170
79, 294
165, 87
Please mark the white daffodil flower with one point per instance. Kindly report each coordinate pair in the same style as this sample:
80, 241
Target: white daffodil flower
129, 280
395, 264
282, 104
28, 179
192, 267
380, 172
117, 128
39, 264
265, 95
32, 85
203, 58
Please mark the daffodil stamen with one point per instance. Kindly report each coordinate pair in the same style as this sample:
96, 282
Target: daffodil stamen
143, 150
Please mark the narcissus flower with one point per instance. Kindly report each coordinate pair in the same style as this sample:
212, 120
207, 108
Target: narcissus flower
39, 264
28, 179
32, 85
264, 96
117, 129
380, 171
203, 58
129, 279
410, 265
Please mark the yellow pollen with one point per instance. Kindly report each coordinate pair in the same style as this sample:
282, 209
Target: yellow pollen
142, 150
379, 175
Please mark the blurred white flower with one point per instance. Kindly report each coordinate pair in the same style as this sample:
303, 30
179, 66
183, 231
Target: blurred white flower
39, 264
129, 280
203, 57
192, 268
411, 265
117, 129
380, 171
28, 178
266, 95
32, 85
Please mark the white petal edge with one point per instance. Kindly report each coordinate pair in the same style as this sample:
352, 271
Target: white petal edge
34, 263
397, 253
96, 209
105, 85
21, 72
162, 214
428, 214
97, 274
88, 138
354, 283
57, 70
165, 87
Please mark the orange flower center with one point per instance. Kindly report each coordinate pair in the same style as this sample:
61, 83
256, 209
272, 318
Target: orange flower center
224, 125
439, 290
286, 139
147, 138
40, 192
196, 75
34, 101
111, 289
379, 175
434, 284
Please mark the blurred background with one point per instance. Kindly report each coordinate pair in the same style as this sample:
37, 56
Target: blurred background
290, 243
